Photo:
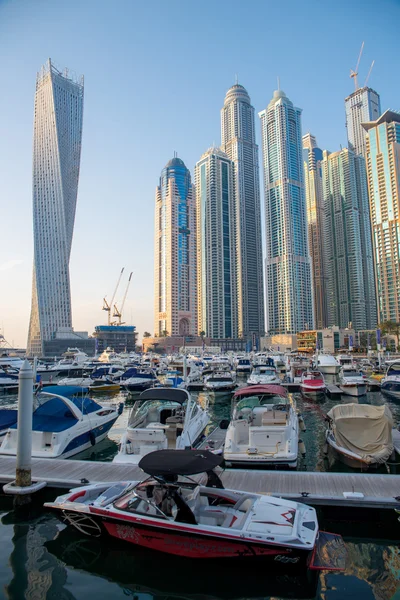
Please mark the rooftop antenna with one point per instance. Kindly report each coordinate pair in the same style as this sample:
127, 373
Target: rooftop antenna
236, 79
369, 73
353, 74
279, 83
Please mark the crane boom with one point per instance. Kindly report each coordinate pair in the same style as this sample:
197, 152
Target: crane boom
118, 313
126, 292
354, 74
369, 73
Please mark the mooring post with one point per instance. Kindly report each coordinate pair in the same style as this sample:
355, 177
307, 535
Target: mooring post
184, 368
23, 475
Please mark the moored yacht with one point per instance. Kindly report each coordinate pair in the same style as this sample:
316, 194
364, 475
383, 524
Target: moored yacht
352, 383
140, 380
243, 366
220, 381
312, 382
326, 364
263, 375
390, 384
162, 418
264, 428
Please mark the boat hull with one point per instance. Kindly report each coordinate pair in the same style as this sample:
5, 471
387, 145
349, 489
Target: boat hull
391, 389
355, 390
239, 460
308, 389
184, 541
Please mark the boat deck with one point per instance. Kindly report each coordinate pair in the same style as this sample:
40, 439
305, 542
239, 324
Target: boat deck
333, 390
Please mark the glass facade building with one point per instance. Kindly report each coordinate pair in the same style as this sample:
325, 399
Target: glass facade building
216, 245
175, 252
383, 170
347, 242
56, 159
288, 271
239, 143
312, 156
362, 105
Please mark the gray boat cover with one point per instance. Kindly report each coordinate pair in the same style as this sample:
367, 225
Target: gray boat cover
364, 430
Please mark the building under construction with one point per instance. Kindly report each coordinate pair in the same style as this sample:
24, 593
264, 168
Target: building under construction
116, 335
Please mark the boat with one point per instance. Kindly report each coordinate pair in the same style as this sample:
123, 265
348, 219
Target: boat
352, 383
220, 381
326, 364
9, 381
390, 384
312, 382
104, 386
162, 418
141, 380
76, 377
175, 514
10, 360
346, 361
263, 429
62, 425
360, 434
243, 366
173, 379
263, 375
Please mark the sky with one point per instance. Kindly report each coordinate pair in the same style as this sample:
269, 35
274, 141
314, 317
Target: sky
156, 74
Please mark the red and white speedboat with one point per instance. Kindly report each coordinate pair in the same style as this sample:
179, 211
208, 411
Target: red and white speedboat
173, 513
312, 382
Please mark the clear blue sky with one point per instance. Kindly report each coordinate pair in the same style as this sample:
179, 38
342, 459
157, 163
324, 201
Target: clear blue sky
156, 73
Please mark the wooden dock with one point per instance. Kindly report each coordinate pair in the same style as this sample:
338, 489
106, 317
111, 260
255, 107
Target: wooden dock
324, 489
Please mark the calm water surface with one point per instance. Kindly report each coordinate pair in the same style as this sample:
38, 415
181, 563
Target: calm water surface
41, 558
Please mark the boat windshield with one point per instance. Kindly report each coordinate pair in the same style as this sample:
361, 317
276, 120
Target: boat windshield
350, 373
143, 408
394, 369
254, 401
264, 371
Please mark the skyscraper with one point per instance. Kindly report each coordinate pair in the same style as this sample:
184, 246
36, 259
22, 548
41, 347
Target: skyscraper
288, 272
239, 143
175, 252
56, 160
313, 185
383, 170
347, 242
362, 105
216, 245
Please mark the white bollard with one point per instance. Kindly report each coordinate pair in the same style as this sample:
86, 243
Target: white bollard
24, 441
184, 369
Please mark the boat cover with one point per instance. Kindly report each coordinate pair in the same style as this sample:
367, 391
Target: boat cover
364, 430
171, 395
179, 462
8, 417
54, 415
68, 391
255, 390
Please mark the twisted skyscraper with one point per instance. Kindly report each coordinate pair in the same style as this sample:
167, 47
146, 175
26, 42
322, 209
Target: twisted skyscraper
238, 142
56, 159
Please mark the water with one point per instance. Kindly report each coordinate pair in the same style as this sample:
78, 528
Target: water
41, 558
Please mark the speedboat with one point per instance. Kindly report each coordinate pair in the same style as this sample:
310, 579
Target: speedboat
264, 428
390, 384
312, 382
104, 386
263, 375
243, 366
173, 513
326, 364
139, 381
220, 381
345, 361
360, 434
162, 418
352, 383
173, 379
75, 377
62, 425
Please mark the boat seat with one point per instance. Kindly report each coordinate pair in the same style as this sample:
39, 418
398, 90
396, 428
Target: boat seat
273, 417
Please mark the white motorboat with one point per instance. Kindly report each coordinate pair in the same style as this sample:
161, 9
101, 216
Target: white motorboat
263, 375
62, 425
352, 383
9, 361
220, 381
8, 379
140, 380
390, 384
264, 428
360, 434
346, 361
162, 418
243, 366
326, 364
312, 382
173, 513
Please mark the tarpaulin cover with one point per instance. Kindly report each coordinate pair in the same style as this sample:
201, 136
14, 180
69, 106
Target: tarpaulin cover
364, 430
179, 462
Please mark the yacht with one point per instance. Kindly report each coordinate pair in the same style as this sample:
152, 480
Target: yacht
7, 360
162, 418
243, 366
263, 374
264, 428
61, 425
8, 380
220, 381
312, 382
345, 361
390, 384
360, 434
326, 364
352, 383
140, 380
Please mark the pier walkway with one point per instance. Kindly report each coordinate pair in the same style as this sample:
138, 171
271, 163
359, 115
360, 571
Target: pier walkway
325, 489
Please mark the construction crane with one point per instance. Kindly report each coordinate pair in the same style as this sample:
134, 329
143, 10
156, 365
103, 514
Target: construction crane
107, 306
369, 73
118, 313
354, 74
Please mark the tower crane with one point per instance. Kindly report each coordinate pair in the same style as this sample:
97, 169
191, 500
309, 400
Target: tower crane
354, 74
369, 73
107, 306
118, 313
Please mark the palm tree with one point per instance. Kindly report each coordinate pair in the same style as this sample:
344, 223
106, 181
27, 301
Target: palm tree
165, 333
146, 334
